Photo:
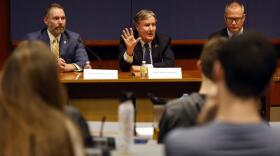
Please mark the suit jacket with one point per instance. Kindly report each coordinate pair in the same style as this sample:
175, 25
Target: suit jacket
162, 53
70, 46
221, 33
181, 112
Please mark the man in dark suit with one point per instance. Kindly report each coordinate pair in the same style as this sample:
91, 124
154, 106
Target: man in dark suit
66, 45
234, 20
144, 44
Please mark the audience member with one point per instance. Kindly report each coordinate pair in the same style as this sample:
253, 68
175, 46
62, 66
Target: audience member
234, 20
183, 112
65, 45
31, 123
78, 119
144, 43
242, 71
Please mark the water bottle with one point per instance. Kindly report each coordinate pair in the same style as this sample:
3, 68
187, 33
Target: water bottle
143, 69
126, 123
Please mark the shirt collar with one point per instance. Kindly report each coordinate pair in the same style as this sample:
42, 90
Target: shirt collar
52, 37
143, 43
230, 34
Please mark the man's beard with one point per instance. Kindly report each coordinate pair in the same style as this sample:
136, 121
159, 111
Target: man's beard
58, 30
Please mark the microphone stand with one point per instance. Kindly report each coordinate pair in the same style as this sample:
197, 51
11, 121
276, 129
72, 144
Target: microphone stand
102, 126
90, 51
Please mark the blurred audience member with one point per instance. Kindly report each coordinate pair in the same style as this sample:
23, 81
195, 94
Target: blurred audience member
242, 71
31, 99
183, 112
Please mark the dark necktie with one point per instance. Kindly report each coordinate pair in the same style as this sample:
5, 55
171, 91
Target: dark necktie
147, 54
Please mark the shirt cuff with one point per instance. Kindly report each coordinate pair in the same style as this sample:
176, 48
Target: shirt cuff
127, 58
77, 66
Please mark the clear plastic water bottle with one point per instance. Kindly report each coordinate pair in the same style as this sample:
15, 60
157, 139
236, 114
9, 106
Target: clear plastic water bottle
126, 123
143, 69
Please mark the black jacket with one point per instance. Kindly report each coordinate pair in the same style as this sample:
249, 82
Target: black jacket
221, 33
162, 53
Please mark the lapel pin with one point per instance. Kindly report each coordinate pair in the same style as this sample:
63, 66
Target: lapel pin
65, 42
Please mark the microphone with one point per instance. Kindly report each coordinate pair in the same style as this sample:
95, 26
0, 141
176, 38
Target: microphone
102, 126
101, 142
88, 49
156, 100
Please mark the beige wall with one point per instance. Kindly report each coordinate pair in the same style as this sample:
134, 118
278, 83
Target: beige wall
93, 109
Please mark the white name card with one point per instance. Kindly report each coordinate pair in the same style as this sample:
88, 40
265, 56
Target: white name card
165, 73
100, 74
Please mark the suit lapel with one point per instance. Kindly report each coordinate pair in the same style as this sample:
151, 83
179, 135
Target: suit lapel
45, 37
63, 44
225, 33
155, 48
139, 54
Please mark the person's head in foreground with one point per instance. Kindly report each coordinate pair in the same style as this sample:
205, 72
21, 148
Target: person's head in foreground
31, 96
245, 65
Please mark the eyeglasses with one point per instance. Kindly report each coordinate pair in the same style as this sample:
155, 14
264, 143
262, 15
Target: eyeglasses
235, 19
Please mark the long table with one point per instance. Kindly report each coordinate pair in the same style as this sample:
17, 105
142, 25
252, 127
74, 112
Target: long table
80, 88
96, 98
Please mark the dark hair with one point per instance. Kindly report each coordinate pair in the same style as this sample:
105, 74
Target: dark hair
248, 61
53, 5
209, 55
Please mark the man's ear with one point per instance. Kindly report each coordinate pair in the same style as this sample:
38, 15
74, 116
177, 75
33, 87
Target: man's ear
244, 17
218, 72
198, 65
46, 20
137, 27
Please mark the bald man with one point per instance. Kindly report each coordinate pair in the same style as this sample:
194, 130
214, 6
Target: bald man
234, 20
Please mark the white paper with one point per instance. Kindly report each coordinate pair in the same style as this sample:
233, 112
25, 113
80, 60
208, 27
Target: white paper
100, 74
164, 73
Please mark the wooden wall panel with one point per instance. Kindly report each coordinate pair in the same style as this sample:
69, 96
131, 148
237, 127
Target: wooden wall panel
5, 41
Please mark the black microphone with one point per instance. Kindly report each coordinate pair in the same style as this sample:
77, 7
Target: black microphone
102, 126
105, 143
88, 49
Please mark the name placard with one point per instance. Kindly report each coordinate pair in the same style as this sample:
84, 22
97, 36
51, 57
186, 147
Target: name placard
100, 74
164, 73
